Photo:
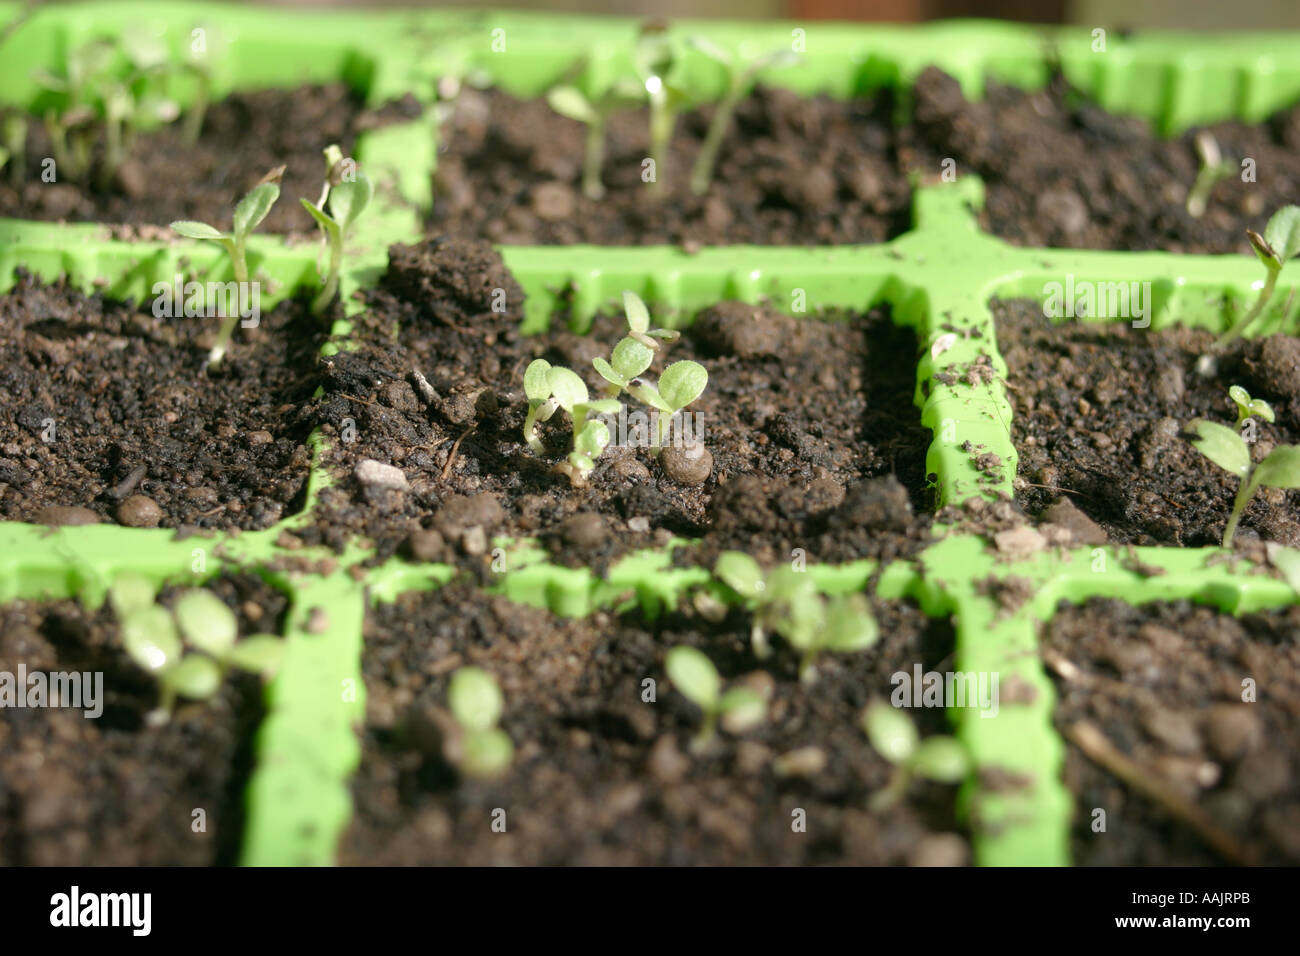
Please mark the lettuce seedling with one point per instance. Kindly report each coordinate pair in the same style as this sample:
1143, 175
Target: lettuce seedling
476, 704
633, 354
1231, 452
1213, 169
654, 59
69, 128
1280, 242
787, 602
155, 640
250, 212
347, 191
594, 113
741, 71
680, 384
891, 732
551, 387
1248, 407
695, 678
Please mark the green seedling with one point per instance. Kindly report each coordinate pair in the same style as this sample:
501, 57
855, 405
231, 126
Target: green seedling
347, 192
633, 354
741, 72
15, 146
476, 704
1248, 407
594, 113
250, 212
198, 64
1213, 169
786, 601
693, 675
549, 388
69, 128
654, 59
891, 732
155, 639
1229, 450
1280, 242
680, 385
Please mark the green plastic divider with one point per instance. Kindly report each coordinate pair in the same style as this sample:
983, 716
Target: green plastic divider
937, 278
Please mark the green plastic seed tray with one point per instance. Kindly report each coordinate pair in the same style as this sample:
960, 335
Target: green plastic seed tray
938, 278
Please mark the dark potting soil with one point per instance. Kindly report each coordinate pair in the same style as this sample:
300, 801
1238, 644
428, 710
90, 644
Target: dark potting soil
113, 791
601, 777
1062, 172
110, 409
1099, 416
791, 171
1164, 683
244, 136
800, 416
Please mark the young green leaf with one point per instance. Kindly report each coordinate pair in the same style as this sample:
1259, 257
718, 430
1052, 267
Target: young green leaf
475, 699
196, 677
1281, 469
131, 592
255, 207
206, 622
149, 636
941, 759
198, 230
258, 654
629, 359
638, 316
1221, 445
741, 573
742, 709
890, 731
592, 440
1283, 233
694, 676
537, 381
850, 625
348, 200
682, 383
567, 388
486, 753
569, 101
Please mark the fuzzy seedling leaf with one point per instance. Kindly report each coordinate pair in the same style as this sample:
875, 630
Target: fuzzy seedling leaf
326, 223
149, 636
890, 731
197, 230
850, 625
475, 699
486, 753
638, 316
255, 207
206, 622
348, 200
1281, 469
741, 573
1221, 445
694, 676
258, 654
196, 677
682, 383
941, 759
711, 50
629, 359
784, 583
1248, 407
537, 380
567, 388
592, 440
742, 709
131, 592
569, 101
1283, 233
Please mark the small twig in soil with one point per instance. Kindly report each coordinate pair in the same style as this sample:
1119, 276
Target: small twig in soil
127, 484
1088, 738
451, 459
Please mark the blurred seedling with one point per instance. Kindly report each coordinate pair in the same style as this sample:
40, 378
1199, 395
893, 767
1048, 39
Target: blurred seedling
551, 387
940, 759
1213, 169
742, 69
740, 709
485, 750
1280, 242
156, 640
594, 113
15, 145
634, 353
250, 212
786, 602
347, 192
69, 127
1228, 449
1248, 407
654, 59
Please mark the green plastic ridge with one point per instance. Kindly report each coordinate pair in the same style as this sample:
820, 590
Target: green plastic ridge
937, 278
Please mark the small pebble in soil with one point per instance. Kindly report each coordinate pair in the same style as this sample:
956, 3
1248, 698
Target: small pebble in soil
687, 464
66, 516
629, 469
426, 545
139, 511
802, 762
375, 474
584, 530
667, 764
1231, 730
877, 504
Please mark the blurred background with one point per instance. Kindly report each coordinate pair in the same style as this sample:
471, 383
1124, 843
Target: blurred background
1167, 14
